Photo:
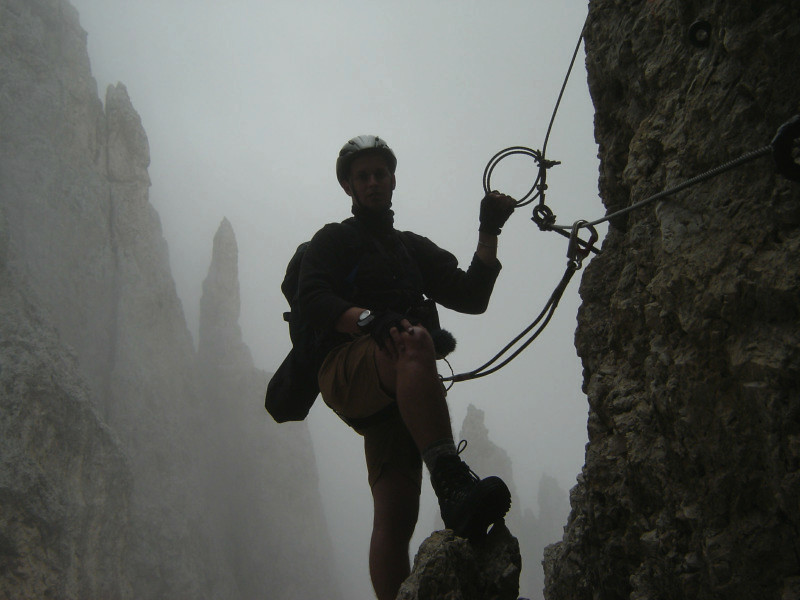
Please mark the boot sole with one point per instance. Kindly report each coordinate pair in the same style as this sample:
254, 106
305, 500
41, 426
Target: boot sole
488, 504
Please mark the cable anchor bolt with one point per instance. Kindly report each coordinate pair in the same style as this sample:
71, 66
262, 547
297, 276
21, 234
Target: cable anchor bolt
700, 34
783, 145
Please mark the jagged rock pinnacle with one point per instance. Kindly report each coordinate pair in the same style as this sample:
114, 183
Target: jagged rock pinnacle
128, 148
220, 339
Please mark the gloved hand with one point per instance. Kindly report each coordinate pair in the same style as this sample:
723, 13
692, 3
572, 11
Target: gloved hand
381, 324
443, 342
495, 210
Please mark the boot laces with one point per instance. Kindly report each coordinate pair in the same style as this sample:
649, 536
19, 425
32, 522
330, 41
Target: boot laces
453, 476
462, 445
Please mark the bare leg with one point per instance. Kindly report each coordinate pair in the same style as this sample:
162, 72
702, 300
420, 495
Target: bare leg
468, 505
396, 504
408, 369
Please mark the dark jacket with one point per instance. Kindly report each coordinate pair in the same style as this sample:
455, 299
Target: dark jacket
346, 264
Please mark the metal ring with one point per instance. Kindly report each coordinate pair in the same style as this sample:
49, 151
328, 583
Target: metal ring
543, 216
493, 162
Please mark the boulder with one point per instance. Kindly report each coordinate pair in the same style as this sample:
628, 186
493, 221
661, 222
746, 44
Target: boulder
448, 567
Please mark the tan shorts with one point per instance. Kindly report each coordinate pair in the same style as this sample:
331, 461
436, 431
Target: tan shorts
350, 385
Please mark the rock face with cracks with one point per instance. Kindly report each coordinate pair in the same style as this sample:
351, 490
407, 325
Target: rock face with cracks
451, 568
131, 466
689, 330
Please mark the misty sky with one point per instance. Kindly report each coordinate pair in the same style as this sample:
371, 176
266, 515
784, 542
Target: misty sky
246, 104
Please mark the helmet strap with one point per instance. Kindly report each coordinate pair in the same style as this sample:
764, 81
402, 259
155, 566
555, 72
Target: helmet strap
353, 194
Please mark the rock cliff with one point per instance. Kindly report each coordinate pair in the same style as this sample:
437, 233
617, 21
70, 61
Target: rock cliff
451, 568
65, 484
113, 426
263, 483
689, 331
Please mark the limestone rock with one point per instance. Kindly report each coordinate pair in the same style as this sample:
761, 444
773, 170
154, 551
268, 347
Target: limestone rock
255, 464
151, 386
168, 480
451, 568
53, 188
220, 336
689, 331
65, 484
128, 150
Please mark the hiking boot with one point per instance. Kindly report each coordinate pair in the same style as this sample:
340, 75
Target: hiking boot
469, 504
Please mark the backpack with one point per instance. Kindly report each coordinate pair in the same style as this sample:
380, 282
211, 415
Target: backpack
293, 388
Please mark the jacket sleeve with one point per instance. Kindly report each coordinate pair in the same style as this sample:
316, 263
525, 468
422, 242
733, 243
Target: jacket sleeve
322, 277
452, 287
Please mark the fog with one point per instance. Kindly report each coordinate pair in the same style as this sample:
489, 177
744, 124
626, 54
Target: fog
246, 105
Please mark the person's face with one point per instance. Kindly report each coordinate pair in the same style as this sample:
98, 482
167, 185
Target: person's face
370, 184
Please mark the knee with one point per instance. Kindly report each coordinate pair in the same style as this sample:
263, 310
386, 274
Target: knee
419, 345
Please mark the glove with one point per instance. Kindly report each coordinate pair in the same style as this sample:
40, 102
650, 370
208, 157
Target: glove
443, 342
495, 210
381, 324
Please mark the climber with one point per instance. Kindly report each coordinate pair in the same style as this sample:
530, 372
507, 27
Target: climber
363, 288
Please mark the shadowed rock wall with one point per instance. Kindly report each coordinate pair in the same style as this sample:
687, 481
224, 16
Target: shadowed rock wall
689, 330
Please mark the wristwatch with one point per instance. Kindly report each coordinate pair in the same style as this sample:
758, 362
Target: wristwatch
365, 318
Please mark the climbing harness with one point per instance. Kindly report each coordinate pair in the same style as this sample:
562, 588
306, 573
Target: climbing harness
782, 148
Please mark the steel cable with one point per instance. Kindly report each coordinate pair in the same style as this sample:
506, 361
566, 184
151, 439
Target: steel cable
543, 216
710, 174
546, 314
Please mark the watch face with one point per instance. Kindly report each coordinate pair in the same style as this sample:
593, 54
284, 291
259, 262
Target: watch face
365, 318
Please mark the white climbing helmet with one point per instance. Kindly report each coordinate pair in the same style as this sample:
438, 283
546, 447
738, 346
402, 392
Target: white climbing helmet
358, 145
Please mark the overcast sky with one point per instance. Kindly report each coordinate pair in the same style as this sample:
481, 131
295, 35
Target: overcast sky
246, 104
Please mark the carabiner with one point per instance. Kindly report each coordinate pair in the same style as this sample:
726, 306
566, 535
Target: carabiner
578, 249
